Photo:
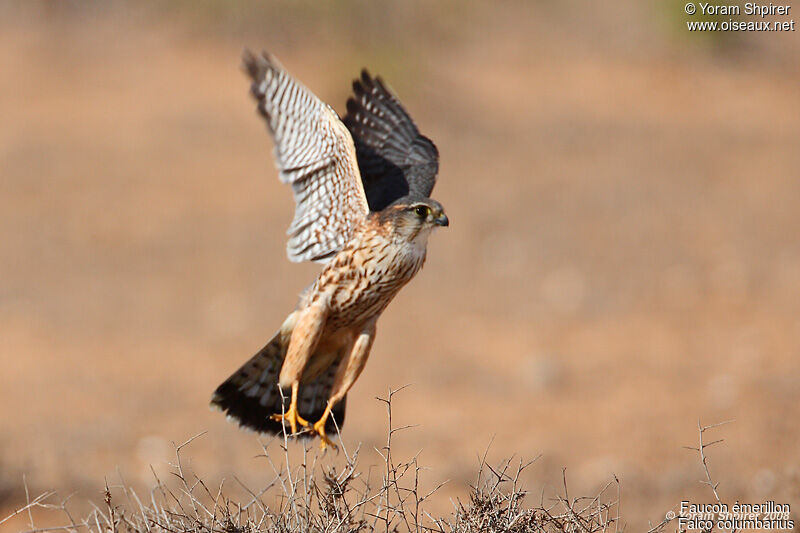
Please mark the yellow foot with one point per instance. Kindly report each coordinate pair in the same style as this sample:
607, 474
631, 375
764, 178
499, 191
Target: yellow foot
292, 417
319, 429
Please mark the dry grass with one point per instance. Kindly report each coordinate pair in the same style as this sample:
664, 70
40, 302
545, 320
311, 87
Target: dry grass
320, 494
316, 495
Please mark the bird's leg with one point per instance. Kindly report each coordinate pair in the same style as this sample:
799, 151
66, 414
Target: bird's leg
292, 416
304, 340
350, 368
319, 427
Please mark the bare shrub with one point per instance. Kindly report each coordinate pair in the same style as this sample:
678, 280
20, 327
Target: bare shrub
318, 497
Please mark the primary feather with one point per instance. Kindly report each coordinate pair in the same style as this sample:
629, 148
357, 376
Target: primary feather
315, 154
394, 158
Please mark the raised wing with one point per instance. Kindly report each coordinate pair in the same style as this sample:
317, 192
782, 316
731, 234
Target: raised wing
394, 158
315, 154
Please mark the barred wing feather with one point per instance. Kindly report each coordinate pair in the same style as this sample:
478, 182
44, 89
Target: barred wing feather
315, 154
395, 159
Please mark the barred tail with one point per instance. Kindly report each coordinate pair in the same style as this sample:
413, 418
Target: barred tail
251, 394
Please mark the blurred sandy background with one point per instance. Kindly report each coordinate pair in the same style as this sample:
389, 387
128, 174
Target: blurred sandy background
623, 257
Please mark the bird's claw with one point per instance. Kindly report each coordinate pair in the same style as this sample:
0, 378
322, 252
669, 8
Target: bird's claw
291, 416
294, 419
324, 441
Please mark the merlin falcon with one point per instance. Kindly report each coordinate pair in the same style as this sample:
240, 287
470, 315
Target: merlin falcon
362, 187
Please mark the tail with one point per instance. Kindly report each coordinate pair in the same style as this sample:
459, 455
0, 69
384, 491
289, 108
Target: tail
251, 395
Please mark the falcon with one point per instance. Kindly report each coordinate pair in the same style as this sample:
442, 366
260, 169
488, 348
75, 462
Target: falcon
362, 187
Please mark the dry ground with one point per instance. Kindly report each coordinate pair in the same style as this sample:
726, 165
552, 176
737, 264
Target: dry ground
623, 256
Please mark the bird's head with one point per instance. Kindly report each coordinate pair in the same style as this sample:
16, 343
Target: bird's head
411, 218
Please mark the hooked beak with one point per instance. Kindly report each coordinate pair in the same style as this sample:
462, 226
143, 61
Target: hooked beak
442, 220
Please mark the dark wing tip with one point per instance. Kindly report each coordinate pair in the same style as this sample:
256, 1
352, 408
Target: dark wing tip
381, 85
365, 77
256, 66
352, 106
252, 65
376, 86
358, 90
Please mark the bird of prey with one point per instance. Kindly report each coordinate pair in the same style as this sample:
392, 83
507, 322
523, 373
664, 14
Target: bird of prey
361, 185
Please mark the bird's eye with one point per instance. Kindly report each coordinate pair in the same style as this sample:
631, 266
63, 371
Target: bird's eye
422, 211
